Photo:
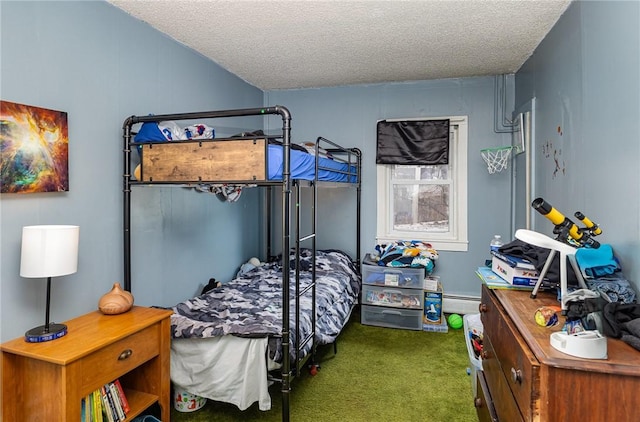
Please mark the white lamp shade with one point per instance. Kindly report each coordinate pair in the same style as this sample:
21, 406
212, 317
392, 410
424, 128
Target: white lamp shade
49, 251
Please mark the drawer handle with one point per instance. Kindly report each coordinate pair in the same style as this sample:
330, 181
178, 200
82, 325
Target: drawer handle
516, 375
482, 307
477, 402
126, 354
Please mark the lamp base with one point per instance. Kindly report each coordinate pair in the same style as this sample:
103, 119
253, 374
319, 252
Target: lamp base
41, 334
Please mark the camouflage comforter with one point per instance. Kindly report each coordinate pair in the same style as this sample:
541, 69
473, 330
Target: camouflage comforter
251, 305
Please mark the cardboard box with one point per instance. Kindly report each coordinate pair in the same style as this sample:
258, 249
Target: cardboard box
431, 283
514, 270
433, 306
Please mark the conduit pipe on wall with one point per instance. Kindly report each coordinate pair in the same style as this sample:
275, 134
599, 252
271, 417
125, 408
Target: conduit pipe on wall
504, 124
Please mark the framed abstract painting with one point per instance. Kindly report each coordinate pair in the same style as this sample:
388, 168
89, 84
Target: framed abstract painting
34, 143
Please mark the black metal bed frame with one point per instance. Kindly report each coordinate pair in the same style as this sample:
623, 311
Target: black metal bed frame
353, 159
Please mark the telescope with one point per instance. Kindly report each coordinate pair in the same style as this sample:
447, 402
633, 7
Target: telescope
566, 228
588, 223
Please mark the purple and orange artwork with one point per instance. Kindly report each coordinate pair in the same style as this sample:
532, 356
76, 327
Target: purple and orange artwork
34, 144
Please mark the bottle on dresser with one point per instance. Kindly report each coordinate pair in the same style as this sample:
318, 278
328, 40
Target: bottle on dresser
496, 242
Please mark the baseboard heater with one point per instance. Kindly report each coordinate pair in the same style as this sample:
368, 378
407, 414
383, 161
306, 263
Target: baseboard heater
455, 304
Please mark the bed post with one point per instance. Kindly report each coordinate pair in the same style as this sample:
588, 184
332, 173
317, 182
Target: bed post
358, 207
126, 206
286, 210
267, 222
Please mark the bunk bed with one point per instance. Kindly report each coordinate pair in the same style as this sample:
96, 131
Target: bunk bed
285, 342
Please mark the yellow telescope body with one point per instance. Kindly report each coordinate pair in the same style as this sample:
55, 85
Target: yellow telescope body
565, 225
556, 217
588, 223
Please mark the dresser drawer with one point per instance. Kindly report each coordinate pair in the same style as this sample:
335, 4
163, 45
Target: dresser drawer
504, 403
396, 297
118, 358
482, 400
517, 363
410, 319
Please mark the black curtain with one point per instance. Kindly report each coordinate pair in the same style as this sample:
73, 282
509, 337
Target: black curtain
413, 142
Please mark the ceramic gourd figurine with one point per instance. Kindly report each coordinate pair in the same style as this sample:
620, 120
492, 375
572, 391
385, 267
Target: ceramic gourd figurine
116, 301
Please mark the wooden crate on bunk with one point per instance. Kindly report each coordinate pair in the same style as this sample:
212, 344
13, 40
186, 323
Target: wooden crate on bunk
210, 161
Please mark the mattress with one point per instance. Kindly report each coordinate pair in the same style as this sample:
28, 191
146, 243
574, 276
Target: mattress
303, 167
233, 161
224, 341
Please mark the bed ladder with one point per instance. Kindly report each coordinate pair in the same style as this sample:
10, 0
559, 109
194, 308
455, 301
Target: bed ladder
301, 359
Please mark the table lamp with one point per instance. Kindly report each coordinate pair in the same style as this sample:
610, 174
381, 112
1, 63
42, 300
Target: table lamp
48, 251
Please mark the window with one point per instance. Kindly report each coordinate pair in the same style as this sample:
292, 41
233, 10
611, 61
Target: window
429, 202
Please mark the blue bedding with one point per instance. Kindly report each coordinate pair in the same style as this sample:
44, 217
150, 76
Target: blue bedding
303, 164
303, 167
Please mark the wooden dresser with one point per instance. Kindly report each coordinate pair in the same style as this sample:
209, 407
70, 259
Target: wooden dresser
47, 381
525, 379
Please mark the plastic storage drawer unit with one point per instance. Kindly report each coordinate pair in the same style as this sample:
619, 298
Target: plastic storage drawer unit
409, 319
396, 297
393, 276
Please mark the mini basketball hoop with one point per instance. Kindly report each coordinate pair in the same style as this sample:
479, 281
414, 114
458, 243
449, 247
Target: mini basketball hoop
497, 159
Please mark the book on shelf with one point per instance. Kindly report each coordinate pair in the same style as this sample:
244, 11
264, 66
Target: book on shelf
115, 397
123, 397
112, 404
106, 404
90, 408
97, 399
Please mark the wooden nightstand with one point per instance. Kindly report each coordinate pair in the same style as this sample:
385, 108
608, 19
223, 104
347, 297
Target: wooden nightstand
47, 381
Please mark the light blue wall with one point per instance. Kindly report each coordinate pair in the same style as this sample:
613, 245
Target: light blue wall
100, 66
585, 76
348, 116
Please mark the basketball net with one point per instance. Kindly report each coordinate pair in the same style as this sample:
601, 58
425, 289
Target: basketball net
497, 159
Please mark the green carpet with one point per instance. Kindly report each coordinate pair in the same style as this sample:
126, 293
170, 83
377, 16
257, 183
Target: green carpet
379, 374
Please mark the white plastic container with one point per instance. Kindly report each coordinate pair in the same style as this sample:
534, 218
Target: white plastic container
185, 402
473, 325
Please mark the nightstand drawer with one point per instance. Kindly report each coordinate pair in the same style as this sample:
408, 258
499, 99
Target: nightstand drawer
118, 358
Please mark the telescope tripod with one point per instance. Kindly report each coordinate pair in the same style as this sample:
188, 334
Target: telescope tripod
567, 252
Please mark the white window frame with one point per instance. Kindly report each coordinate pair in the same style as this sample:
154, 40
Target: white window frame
457, 237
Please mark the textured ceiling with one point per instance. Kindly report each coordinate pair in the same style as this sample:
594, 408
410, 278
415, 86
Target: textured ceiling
279, 44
